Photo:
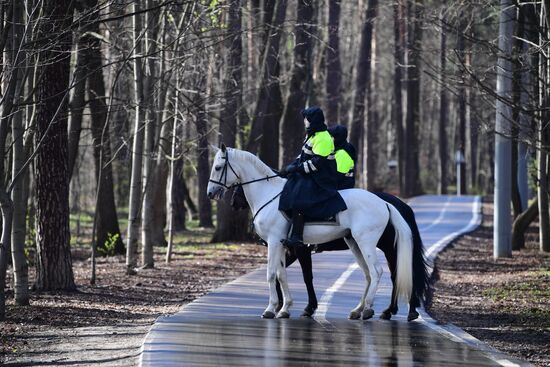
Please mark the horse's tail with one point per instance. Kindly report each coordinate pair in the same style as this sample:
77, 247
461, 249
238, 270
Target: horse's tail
421, 277
404, 263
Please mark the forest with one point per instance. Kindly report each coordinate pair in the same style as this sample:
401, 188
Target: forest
109, 110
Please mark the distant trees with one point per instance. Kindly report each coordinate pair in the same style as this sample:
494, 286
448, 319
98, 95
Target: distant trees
107, 112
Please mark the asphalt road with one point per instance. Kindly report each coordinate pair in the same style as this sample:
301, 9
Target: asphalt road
224, 328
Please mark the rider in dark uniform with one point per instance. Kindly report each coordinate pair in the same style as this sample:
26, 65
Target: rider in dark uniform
345, 157
311, 187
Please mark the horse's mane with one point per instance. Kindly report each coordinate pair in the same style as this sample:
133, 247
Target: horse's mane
263, 168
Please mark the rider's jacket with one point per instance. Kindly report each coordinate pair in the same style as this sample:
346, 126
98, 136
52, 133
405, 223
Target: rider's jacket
311, 190
346, 170
318, 159
345, 158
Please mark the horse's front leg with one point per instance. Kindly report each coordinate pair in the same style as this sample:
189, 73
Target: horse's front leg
276, 271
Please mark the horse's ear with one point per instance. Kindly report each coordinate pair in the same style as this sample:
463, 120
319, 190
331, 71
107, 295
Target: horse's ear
224, 148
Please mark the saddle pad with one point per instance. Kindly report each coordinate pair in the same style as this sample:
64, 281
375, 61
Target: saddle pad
330, 221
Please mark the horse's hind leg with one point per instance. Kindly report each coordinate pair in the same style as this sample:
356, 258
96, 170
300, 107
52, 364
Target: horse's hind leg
304, 257
367, 244
392, 309
354, 247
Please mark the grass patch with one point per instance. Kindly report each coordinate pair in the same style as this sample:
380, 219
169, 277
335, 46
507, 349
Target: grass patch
513, 291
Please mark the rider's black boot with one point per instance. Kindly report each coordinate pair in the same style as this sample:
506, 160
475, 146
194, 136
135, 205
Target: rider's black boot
296, 238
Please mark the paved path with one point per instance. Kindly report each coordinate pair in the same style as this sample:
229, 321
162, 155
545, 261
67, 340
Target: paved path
224, 328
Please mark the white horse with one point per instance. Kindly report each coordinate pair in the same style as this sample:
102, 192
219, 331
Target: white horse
361, 225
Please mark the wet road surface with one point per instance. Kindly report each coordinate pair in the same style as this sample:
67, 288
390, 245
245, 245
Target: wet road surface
224, 328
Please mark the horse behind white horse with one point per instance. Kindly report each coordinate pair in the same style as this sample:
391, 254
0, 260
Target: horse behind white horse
361, 224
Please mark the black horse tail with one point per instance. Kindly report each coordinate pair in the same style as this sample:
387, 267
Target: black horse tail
422, 284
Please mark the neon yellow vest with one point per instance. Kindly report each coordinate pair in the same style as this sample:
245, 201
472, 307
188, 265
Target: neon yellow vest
320, 144
344, 163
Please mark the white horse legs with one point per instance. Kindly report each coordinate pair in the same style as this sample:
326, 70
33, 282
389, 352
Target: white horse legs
276, 270
354, 247
365, 253
368, 249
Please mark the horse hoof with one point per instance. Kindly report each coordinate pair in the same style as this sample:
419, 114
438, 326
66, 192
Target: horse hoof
368, 313
308, 311
413, 315
268, 315
283, 315
354, 315
386, 315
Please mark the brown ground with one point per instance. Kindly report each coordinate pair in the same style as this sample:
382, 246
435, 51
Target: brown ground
105, 324
505, 303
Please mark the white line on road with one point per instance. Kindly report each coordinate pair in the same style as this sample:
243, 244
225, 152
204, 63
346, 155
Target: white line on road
438, 219
320, 315
474, 222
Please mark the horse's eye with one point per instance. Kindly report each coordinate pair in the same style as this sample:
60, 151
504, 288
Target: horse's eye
217, 168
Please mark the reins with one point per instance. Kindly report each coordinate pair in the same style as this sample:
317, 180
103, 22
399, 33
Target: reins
224, 175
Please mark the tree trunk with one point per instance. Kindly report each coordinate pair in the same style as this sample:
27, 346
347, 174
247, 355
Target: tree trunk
203, 165
107, 230
333, 67
53, 264
292, 124
503, 153
6, 206
137, 148
232, 226
77, 103
397, 108
189, 204
443, 111
544, 141
462, 105
178, 197
269, 104
18, 197
149, 178
412, 185
363, 79
521, 223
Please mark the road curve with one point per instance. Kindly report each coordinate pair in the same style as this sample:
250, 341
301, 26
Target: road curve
224, 328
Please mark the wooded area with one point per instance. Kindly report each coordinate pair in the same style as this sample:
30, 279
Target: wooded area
108, 109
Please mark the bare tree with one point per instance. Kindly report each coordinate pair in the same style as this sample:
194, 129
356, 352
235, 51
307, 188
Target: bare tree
397, 106
137, 146
334, 68
231, 225
443, 110
53, 264
292, 124
412, 166
363, 78
269, 103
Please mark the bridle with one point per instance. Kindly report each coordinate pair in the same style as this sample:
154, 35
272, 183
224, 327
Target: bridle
223, 176
225, 170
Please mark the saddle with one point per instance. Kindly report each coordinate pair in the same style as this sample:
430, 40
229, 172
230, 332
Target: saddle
238, 202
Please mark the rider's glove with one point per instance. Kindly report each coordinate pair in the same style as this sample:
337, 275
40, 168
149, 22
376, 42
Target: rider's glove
291, 168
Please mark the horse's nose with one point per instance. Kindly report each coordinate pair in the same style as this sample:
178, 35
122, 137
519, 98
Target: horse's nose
210, 195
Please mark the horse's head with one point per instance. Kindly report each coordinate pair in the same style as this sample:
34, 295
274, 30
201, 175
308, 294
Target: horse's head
223, 175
